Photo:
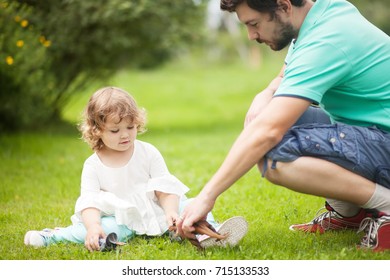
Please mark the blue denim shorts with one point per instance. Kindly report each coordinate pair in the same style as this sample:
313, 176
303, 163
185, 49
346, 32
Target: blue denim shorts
362, 150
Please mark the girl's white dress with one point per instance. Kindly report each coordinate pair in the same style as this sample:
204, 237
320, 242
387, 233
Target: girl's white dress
128, 192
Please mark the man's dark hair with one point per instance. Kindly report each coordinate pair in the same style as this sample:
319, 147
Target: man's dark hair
263, 6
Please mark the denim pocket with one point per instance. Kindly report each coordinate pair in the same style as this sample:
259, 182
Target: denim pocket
373, 134
336, 142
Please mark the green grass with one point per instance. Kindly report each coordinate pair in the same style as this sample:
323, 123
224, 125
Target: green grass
195, 112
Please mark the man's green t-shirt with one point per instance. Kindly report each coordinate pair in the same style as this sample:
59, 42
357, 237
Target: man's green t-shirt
341, 61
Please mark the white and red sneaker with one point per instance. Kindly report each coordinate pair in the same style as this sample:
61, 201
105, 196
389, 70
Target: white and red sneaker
331, 220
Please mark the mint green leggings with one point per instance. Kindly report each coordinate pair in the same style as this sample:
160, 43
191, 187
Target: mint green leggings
76, 233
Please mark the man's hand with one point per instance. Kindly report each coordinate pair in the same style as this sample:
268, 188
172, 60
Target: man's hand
195, 211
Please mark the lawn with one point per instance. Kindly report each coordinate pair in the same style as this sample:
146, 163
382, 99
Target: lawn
195, 112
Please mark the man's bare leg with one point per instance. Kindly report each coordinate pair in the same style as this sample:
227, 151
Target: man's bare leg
321, 178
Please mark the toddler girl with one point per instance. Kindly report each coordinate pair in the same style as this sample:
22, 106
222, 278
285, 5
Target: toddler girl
126, 187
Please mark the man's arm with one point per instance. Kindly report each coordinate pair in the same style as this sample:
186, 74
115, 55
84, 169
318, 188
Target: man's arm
257, 138
263, 98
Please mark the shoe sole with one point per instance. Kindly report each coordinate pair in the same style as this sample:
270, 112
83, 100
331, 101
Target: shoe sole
27, 238
234, 228
307, 228
322, 227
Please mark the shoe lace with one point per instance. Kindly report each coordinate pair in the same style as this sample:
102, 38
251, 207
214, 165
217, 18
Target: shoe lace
370, 226
321, 217
47, 234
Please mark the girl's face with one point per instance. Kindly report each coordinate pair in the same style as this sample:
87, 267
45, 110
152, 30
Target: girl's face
119, 136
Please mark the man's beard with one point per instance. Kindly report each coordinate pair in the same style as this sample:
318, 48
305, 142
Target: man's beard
285, 33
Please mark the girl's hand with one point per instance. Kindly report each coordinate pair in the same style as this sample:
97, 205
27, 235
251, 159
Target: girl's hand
172, 218
170, 204
92, 238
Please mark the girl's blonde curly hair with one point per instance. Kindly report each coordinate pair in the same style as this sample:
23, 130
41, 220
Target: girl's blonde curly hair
104, 103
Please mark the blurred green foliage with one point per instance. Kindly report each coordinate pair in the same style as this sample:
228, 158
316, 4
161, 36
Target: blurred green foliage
50, 49
23, 67
376, 11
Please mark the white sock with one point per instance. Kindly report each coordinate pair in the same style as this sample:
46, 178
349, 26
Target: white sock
345, 209
380, 200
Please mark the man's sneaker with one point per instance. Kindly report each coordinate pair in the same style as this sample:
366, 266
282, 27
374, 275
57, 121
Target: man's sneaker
39, 238
331, 220
234, 228
377, 233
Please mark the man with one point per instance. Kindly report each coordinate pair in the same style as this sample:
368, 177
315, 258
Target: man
338, 60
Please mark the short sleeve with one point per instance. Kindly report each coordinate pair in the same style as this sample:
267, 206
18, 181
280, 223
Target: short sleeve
90, 187
160, 177
89, 178
313, 69
158, 166
167, 184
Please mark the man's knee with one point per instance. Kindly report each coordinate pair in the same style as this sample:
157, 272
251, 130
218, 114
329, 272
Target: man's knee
270, 172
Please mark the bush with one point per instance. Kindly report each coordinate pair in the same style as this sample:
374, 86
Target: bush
50, 49
24, 77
